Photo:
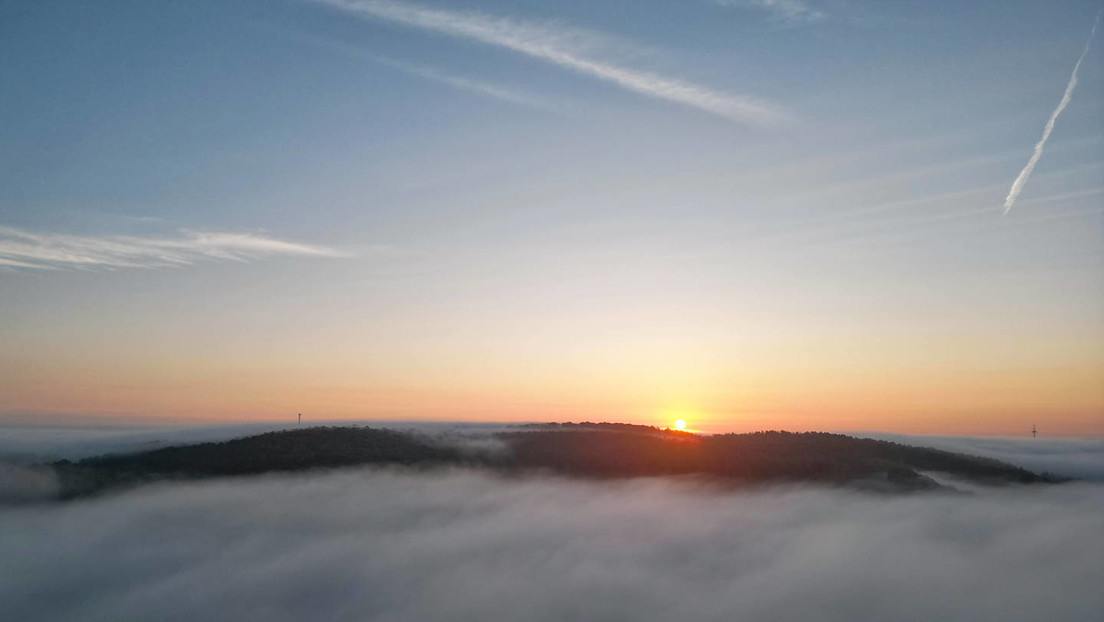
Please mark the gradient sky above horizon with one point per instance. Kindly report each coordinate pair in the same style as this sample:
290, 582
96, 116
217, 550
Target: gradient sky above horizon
748, 214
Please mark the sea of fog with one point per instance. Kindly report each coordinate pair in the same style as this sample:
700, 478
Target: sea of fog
392, 545
397, 545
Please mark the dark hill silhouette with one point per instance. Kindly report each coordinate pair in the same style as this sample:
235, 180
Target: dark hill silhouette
294, 450
582, 450
625, 451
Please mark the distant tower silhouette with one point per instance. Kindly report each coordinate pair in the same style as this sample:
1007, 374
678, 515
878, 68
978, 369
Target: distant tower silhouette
300, 418
1034, 432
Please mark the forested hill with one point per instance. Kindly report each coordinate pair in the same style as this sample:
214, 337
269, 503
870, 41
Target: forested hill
620, 450
580, 450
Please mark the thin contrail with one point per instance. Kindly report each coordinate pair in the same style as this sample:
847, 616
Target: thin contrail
1017, 186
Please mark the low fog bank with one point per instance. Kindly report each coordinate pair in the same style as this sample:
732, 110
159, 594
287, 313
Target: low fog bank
24, 483
393, 545
1068, 457
48, 443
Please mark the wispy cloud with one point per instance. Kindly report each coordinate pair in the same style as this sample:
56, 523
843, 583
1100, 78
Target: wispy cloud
1017, 186
464, 83
21, 249
565, 47
789, 10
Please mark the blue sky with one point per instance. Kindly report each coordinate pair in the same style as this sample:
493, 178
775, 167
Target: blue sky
703, 204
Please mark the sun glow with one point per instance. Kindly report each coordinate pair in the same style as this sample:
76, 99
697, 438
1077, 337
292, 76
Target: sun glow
680, 424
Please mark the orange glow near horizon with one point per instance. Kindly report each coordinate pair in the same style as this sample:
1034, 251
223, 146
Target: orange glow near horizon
1066, 404
983, 398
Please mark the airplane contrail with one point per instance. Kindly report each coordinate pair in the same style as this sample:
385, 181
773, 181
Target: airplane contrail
1017, 186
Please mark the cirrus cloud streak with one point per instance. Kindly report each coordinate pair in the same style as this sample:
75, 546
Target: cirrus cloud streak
565, 47
22, 249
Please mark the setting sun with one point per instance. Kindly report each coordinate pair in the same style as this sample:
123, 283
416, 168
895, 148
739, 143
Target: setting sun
680, 424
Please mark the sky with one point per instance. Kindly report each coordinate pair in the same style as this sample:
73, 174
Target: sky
750, 214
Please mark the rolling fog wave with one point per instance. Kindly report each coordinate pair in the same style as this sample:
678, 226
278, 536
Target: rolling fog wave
455, 545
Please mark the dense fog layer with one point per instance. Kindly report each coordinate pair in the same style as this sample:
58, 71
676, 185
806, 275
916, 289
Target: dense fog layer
393, 545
